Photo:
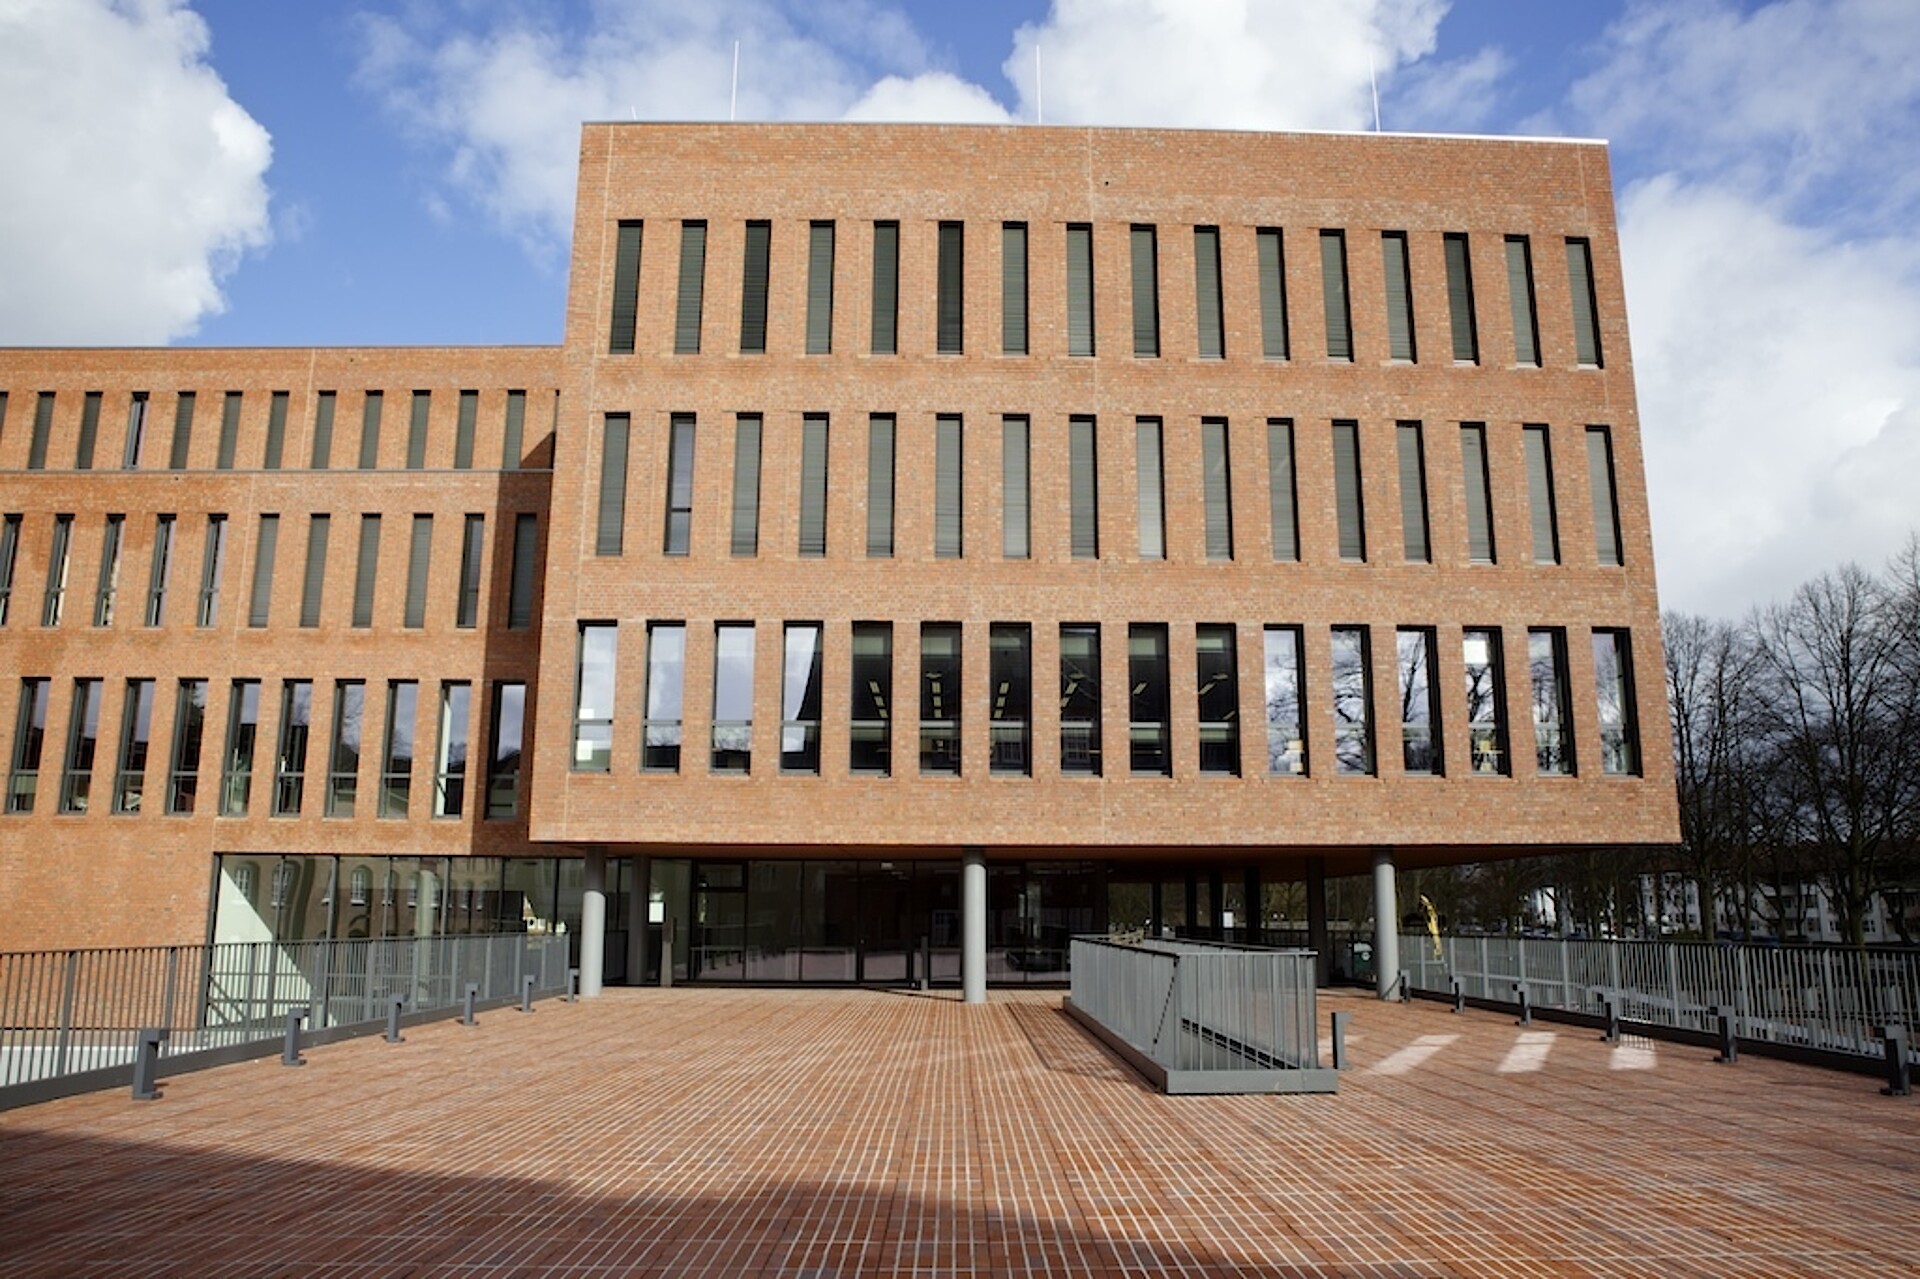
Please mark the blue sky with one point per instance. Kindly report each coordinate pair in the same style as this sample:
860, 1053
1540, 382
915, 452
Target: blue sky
230, 172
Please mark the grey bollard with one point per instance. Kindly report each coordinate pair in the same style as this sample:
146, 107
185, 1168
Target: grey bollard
466, 1013
1729, 1050
1611, 1007
926, 962
290, 1054
1899, 1074
1459, 996
394, 1004
526, 992
573, 984
1406, 988
1340, 1021
146, 1063
1526, 1005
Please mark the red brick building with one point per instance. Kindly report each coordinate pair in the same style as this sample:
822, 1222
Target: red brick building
922, 534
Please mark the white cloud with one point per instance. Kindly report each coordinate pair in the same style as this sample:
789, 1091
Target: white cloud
133, 180
930, 96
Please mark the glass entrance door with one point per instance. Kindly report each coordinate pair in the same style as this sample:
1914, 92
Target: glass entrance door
886, 892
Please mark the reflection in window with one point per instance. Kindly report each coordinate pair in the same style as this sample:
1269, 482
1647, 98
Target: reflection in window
1352, 702
450, 763
1419, 744
343, 759
1613, 688
243, 728
593, 698
1486, 702
1149, 704
1216, 668
1286, 725
1080, 699
136, 726
290, 767
505, 733
666, 673
183, 771
1552, 724
800, 700
396, 768
83, 739
940, 698
871, 749
1010, 676
732, 698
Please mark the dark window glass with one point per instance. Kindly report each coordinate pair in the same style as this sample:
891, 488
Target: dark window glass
1613, 692
1013, 288
1552, 712
1419, 702
1486, 701
800, 700
1352, 701
1149, 701
950, 290
1080, 699
1217, 668
940, 698
871, 742
1010, 698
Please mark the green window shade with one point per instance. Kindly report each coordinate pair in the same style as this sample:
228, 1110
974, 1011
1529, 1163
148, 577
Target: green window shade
678, 537
610, 528
42, 432
1473, 470
626, 288
1013, 288
947, 487
526, 559
1393, 258
419, 556
417, 430
1150, 490
1281, 507
1273, 293
1413, 494
313, 585
1546, 536
463, 430
880, 487
693, 273
229, 431
260, 599
1606, 520
1079, 290
1015, 496
366, 571
89, 432
182, 432
511, 446
746, 485
950, 289
322, 431
1349, 509
276, 431
1586, 328
820, 288
370, 430
886, 287
1526, 329
753, 289
1217, 485
1146, 292
813, 486
472, 545
1206, 292
1333, 290
1083, 489
1466, 342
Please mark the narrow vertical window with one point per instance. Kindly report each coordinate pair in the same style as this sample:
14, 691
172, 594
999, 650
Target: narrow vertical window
1083, 489
950, 310
1413, 494
276, 443
29, 740
626, 288
1466, 334
820, 288
666, 679
1586, 323
1333, 293
313, 583
1150, 488
473, 535
1552, 714
593, 698
880, 486
1486, 702
290, 754
42, 432
229, 432
322, 453
1149, 701
136, 740
1013, 288
59, 553
159, 569
1286, 719
243, 730
513, 432
1206, 293
136, 432
1146, 292
1399, 293
800, 699
419, 567
1613, 692
366, 572
1216, 667
1010, 699
526, 562
1606, 511
1419, 702
463, 428
1352, 701
108, 586
450, 758
813, 485
753, 288
1526, 327
732, 741
1015, 493
1546, 525
370, 430
1479, 492
679, 530
506, 727
693, 278
396, 761
343, 754
1216, 475
870, 743
182, 432
1282, 504
1272, 267
886, 288
260, 596
417, 430
1079, 289
611, 523
1080, 699
189, 726
89, 432
83, 740
1349, 506
940, 698
9, 553
947, 488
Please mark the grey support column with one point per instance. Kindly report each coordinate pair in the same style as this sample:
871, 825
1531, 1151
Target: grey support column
1317, 939
1386, 926
593, 926
639, 901
973, 926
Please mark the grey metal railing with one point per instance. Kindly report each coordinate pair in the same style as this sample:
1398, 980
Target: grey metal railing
1826, 998
68, 1012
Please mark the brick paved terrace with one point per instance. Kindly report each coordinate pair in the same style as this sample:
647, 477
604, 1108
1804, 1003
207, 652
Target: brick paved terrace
817, 1134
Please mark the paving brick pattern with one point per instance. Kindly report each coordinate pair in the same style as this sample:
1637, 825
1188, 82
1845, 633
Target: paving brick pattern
816, 1135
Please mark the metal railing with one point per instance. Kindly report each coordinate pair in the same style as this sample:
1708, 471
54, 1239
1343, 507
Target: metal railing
68, 1012
1824, 998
